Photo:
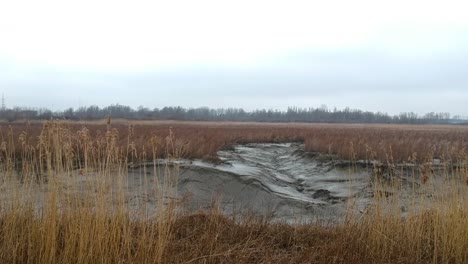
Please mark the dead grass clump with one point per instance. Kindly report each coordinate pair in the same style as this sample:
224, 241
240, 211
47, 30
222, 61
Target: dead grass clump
211, 238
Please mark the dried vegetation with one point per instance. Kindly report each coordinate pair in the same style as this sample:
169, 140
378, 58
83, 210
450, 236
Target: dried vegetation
85, 230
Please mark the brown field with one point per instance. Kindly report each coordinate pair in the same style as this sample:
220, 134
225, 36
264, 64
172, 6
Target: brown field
84, 230
386, 143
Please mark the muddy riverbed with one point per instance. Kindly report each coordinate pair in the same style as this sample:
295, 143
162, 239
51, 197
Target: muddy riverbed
277, 181
283, 182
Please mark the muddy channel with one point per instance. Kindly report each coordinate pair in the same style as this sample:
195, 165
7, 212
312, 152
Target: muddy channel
284, 182
279, 181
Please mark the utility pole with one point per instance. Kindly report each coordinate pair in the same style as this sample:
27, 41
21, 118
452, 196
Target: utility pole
3, 102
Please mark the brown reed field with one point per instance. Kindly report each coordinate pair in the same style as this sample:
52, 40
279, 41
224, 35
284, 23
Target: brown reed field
386, 143
44, 220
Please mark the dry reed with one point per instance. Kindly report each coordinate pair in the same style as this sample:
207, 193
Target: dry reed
86, 228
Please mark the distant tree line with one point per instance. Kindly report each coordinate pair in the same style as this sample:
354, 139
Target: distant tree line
292, 114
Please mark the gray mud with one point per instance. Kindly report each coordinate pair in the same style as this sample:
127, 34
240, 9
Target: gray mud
284, 182
276, 181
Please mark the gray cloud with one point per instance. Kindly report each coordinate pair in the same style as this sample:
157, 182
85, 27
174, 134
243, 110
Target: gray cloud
353, 78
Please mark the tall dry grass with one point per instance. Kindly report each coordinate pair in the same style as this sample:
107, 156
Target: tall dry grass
63, 198
204, 139
43, 219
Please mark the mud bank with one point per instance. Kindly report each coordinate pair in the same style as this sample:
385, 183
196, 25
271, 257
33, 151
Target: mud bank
277, 181
284, 182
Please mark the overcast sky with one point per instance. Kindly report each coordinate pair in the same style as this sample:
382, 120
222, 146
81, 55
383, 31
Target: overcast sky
390, 56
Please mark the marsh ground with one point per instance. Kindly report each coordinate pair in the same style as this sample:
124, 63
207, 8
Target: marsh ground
156, 193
